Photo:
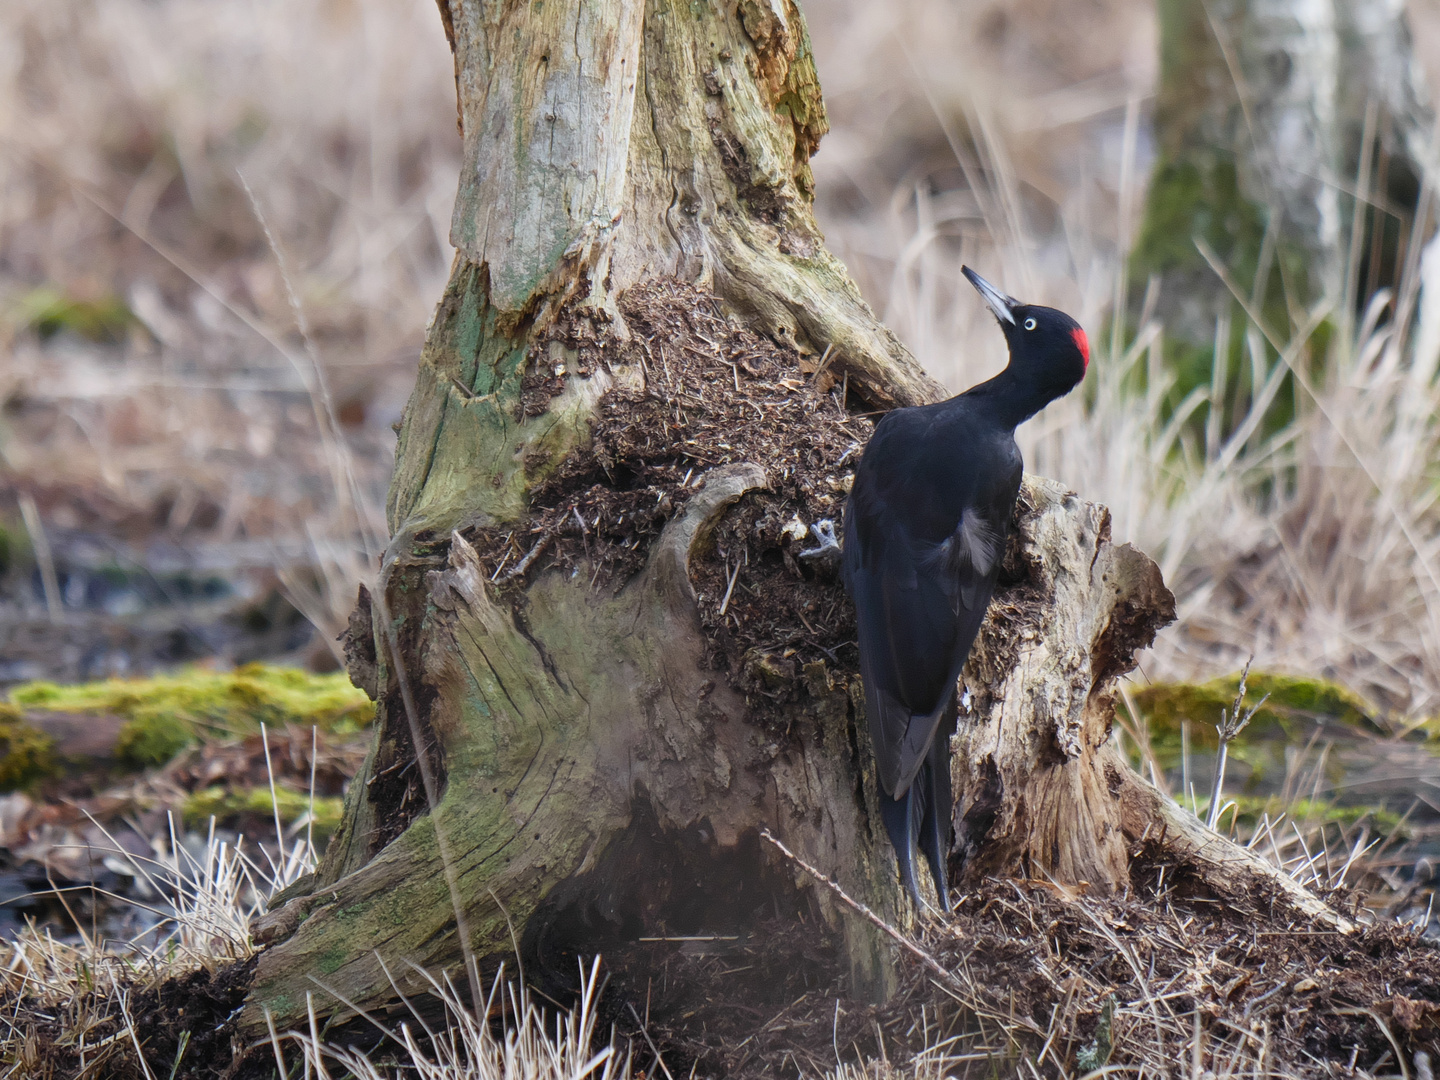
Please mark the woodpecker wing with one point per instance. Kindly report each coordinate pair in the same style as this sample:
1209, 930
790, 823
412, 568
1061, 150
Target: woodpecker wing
923, 546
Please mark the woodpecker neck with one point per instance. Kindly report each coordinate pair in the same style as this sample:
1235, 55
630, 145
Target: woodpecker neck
1015, 396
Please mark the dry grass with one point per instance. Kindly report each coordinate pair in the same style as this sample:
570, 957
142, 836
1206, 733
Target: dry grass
1025, 979
1006, 135
146, 1008
267, 188
463, 1046
94, 1007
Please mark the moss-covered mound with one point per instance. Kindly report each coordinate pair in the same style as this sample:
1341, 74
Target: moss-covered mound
105, 320
1314, 751
1248, 812
25, 753
166, 713
1293, 702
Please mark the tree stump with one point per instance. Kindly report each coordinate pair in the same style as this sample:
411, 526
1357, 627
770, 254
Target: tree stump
646, 378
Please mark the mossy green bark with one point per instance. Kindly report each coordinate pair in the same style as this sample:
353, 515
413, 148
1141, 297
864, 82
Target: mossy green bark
1206, 185
551, 733
465, 399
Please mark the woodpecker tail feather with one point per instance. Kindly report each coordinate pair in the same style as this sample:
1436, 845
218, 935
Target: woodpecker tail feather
922, 816
900, 824
934, 816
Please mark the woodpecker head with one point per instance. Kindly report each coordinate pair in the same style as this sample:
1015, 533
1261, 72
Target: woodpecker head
1046, 346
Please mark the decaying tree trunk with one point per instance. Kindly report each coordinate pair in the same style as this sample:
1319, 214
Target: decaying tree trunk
646, 377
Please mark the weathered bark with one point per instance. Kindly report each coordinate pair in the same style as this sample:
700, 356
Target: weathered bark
582, 770
1039, 786
1028, 779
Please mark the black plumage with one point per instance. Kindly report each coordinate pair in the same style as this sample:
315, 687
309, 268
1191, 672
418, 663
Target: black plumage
924, 535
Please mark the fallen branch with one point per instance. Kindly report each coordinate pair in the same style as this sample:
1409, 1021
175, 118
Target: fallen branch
905, 942
534, 553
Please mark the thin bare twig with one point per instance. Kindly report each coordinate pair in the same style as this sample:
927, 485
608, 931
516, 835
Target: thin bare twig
824, 363
730, 588
906, 943
653, 1048
1232, 723
530, 556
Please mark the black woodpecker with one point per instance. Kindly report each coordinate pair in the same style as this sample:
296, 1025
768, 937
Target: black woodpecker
924, 534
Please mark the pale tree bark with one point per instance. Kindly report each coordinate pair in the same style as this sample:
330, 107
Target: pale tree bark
569, 731
1296, 141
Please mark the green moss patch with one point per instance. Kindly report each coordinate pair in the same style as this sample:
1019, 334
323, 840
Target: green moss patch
1258, 757
25, 754
252, 810
1307, 724
14, 547
1293, 700
48, 311
166, 713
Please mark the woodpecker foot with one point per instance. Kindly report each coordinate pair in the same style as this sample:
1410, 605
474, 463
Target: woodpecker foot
827, 553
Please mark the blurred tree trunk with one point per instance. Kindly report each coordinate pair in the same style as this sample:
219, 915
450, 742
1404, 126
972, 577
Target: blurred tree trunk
582, 772
1293, 139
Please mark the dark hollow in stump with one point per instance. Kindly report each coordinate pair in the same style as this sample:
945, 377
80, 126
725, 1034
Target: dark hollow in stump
647, 376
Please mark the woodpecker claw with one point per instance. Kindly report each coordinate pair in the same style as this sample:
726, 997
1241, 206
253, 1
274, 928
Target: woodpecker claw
824, 533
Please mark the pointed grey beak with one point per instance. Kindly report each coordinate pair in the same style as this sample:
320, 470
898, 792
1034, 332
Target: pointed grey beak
1000, 304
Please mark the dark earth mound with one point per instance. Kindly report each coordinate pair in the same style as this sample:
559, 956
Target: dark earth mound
1036, 968
712, 393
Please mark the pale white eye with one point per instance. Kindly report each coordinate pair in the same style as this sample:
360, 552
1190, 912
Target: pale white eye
1029, 324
